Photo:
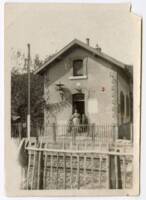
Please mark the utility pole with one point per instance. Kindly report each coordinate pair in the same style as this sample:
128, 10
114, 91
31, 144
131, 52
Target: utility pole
28, 111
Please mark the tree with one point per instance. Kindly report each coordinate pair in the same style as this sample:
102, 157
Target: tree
19, 94
37, 62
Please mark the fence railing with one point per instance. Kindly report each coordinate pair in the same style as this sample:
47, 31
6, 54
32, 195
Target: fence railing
98, 138
82, 135
105, 134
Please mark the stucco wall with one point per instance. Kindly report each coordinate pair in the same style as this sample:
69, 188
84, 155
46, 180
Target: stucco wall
100, 89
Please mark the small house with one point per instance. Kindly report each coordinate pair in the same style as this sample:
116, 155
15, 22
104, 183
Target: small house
83, 79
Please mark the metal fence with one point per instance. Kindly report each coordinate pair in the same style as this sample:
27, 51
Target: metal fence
99, 134
104, 132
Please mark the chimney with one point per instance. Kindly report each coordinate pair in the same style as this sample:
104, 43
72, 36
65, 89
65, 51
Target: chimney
88, 41
98, 48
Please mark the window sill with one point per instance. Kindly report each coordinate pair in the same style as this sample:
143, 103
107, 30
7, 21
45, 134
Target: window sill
77, 77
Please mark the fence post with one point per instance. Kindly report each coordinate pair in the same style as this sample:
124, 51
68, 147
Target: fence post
40, 168
108, 171
116, 172
112, 178
71, 171
100, 168
33, 169
64, 159
78, 171
28, 170
44, 171
92, 169
51, 170
124, 172
84, 168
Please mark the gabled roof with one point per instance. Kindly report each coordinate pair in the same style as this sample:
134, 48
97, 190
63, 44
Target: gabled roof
85, 46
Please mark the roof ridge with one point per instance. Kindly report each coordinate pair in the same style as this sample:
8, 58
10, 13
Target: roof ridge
87, 47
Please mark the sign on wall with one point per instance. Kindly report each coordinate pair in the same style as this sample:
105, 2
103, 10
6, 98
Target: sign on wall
92, 106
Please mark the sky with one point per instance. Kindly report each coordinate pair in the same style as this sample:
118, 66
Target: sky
49, 27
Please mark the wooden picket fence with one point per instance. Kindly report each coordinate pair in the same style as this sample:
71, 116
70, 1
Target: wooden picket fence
83, 157
77, 168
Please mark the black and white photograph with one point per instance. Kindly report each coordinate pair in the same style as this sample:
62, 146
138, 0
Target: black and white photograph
73, 95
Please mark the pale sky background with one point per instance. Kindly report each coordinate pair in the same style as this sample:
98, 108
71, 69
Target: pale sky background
48, 28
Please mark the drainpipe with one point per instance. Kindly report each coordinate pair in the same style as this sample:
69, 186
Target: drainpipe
28, 111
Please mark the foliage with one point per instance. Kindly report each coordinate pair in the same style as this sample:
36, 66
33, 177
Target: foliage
19, 94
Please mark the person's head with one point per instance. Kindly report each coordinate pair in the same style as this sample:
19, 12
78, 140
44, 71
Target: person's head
76, 111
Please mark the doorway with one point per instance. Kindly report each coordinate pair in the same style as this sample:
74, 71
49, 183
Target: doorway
78, 103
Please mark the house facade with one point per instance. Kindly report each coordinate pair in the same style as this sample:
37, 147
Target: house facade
82, 78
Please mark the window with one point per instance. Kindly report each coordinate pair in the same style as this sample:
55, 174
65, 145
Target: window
122, 103
78, 67
127, 106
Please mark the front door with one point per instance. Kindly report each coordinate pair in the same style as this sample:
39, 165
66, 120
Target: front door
78, 103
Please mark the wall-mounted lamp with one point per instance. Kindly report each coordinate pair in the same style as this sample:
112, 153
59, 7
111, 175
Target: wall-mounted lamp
78, 87
60, 89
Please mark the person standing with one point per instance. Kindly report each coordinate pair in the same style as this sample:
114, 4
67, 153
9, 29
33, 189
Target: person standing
76, 124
